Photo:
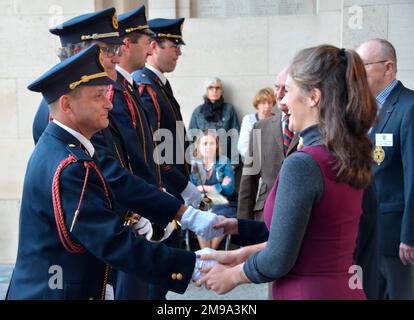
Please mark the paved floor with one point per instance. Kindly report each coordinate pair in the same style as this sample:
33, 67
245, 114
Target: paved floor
5, 274
244, 292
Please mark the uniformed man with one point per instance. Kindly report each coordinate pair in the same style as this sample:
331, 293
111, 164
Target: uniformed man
131, 136
69, 235
132, 192
161, 106
100, 26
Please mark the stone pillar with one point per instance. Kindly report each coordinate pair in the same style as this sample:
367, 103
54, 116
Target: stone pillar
121, 6
184, 9
162, 9
29, 50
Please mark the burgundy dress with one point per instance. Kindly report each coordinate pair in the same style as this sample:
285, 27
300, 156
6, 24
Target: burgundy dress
321, 269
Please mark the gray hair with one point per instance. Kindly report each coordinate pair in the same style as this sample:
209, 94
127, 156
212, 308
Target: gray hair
70, 49
208, 82
387, 50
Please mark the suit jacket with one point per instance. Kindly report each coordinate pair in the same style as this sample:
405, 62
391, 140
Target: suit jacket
394, 177
366, 251
170, 117
98, 229
265, 163
40, 121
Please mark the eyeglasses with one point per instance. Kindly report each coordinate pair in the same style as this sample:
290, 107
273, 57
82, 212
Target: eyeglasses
112, 51
214, 88
173, 45
369, 63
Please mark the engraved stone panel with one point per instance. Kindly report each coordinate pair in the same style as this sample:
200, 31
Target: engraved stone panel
236, 8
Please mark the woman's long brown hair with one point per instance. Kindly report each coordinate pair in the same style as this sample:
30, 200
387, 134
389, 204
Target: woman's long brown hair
347, 107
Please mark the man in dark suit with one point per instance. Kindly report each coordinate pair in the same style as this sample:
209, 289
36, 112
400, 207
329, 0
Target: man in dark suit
162, 109
70, 236
132, 191
132, 141
266, 154
393, 140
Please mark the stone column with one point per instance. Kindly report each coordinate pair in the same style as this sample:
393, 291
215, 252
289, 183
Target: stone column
162, 9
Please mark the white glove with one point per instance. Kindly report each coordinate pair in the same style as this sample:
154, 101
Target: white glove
143, 227
191, 195
201, 222
200, 264
167, 231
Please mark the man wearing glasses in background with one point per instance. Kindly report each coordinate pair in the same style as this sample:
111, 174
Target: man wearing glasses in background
76, 34
393, 141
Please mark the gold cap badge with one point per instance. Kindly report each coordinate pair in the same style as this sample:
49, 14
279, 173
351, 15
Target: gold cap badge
115, 22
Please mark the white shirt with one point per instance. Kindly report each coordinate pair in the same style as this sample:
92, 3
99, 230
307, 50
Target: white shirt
158, 73
246, 127
125, 74
85, 142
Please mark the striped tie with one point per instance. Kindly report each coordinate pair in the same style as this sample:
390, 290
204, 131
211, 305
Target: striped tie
287, 134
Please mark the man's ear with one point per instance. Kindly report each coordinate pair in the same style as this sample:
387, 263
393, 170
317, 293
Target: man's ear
315, 97
127, 43
65, 102
390, 66
153, 45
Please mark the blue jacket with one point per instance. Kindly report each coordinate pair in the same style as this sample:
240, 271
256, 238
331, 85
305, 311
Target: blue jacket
222, 168
394, 177
40, 121
165, 118
133, 191
98, 229
228, 122
139, 139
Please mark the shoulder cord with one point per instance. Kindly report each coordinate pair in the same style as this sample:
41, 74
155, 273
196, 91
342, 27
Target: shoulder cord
68, 244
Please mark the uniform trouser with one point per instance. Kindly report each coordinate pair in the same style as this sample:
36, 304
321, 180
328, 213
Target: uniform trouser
396, 281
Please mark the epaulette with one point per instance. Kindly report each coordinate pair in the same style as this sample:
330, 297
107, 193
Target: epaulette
143, 78
78, 153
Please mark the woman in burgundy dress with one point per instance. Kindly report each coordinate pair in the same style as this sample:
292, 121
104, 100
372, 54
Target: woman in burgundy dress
312, 213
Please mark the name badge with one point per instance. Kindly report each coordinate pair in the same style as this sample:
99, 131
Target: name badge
383, 140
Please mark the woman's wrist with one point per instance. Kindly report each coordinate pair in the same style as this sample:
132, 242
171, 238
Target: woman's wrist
239, 275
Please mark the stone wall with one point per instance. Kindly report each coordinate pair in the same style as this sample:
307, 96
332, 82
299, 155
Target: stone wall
245, 51
27, 50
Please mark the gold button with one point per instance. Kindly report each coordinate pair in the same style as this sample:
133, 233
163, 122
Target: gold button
71, 146
179, 276
174, 276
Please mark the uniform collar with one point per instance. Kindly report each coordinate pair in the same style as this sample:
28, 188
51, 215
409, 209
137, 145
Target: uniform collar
85, 142
125, 74
157, 72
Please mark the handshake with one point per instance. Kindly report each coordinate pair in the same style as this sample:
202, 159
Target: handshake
220, 271
203, 223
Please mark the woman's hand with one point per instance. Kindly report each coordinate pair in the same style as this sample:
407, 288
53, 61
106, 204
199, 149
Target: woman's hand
222, 279
228, 258
226, 181
229, 225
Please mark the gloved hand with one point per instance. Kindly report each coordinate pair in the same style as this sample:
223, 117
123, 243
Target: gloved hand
200, 264
201, 222
143, 227
191, 195
167, 231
